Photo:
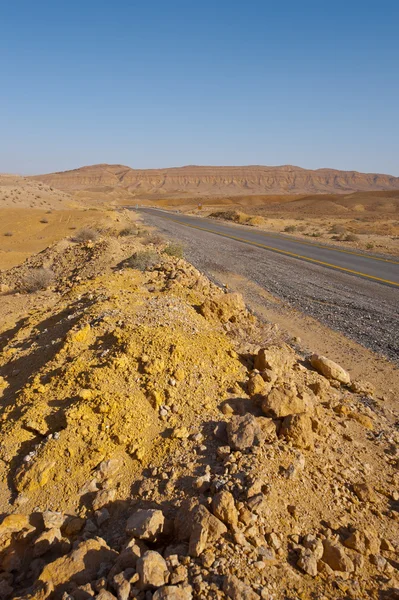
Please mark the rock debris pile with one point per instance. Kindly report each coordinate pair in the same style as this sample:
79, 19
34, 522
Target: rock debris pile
160, 442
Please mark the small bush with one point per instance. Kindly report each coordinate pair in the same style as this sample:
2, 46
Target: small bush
290, 228
37, 279
130, 230
43, 220
369, 246
351, 237
8, 234
173, 249
154, 238
86, 235
337, 229
143, 260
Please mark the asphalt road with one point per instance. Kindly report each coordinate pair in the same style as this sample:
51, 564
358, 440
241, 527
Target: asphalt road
350, 292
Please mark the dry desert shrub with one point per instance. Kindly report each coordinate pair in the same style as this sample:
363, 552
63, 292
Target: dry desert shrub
8, 234
143, 260
87, 234
174, 249
129, 230
37, 279
290, 228
44, 220
351, 237
340, 229
153, 238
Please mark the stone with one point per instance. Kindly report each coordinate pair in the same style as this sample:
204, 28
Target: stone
146, 524
364, 542
173, 592
152, 570
108, 468
223, 508
308, 562
362, 387
103, 497
314, 544
206, 528
365, 492
48, 540
378, 561
329, 369
237, 590
224, 307
104, 595
335, 557
79, 567
285, 400
122, 586
256, 385
129, 556
276, 360
244, 432
53, 519
298, 430
73, 525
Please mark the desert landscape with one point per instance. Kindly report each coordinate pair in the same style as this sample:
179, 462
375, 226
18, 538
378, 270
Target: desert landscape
356, 210
160, 437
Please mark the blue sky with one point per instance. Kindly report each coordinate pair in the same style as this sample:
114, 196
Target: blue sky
167, 83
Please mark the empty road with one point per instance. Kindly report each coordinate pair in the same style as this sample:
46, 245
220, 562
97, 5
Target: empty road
353, 293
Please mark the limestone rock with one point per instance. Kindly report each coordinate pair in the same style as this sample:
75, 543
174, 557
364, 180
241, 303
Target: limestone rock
104, 595
53, 519
364, 542
335, 557
224, 307
152, 570
284, 400
173, 592
362, 387
276, 360
146, 524
223, 508
298, 430
329, 369
237, 590
103, 497
365, 492
48, 540
79, 567
308, 562
256, 385
244, 432
206, 528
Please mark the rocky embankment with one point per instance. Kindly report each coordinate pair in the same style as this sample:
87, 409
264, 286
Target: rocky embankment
160, 442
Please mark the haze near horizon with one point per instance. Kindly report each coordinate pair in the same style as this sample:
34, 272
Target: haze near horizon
162, 85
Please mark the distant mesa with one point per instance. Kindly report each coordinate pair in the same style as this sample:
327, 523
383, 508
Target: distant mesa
218, 181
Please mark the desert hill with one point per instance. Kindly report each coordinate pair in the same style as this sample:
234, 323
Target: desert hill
215, 181
23, 192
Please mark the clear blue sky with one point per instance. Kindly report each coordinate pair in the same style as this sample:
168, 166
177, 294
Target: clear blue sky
162, 83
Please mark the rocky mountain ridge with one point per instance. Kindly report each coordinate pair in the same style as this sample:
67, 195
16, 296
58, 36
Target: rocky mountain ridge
211, 181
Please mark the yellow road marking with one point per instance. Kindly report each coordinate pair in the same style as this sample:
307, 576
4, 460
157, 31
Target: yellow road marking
313, 260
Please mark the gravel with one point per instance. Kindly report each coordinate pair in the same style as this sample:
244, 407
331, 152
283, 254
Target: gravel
365, 311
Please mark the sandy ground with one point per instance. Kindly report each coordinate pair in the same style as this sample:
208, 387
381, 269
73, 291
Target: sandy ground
27, 231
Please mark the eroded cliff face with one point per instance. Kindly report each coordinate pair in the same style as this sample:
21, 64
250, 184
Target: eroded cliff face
198, 180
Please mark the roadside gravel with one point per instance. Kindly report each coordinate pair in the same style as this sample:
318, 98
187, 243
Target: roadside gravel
364, 311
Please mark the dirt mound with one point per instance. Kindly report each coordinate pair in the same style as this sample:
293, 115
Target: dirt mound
158, 440
214, 181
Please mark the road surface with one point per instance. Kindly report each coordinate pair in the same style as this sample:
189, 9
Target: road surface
351, 292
